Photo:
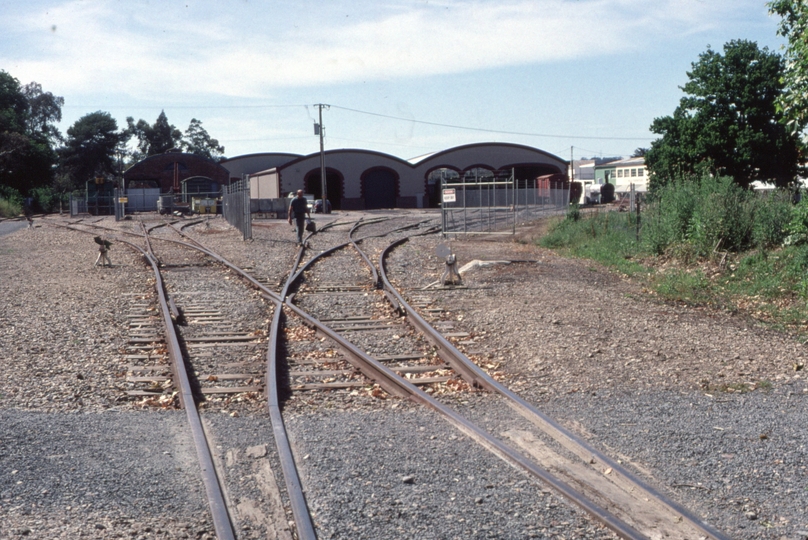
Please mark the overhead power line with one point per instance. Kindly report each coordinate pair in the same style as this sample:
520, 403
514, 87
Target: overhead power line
493, 130
169, 107
379, 115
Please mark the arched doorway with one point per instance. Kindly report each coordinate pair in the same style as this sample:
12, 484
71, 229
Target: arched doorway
379, 188
200, 186
526, 173
334, 186
437, 178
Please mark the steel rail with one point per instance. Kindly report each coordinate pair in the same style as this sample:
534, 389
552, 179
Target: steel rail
218, 507
297, 500
300, 511
360, 223
392, 383
396, 385
294, 488
213, 489
477, 376
399, 386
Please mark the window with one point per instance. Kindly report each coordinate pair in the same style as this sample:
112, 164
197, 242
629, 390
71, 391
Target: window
633, 172
620, 173
640, 172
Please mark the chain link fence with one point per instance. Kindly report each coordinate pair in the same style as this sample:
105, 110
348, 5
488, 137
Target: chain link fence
236, 207
495, 206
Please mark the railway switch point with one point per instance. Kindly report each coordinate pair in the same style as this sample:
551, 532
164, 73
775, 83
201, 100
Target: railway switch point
450, 275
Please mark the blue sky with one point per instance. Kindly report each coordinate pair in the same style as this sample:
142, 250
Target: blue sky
586, 75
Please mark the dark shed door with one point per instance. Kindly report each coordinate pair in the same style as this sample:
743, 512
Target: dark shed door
379, 188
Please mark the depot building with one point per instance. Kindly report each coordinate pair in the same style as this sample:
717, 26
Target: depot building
356, 179
364, 179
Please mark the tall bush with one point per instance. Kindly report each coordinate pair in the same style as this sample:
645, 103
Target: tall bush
724, 216
667, 219
45, 199
773, 212
703, 214
797, 228
9, 208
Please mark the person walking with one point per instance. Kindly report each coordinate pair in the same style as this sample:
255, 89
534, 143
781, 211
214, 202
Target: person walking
299, 208
28, 210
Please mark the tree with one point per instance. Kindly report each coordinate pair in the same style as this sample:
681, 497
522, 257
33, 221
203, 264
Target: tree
198, 141
26, 146
90, 147
153, 139
639, 152
44, 110
727, 124
793, 102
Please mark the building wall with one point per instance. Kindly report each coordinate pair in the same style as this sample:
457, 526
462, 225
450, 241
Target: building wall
253, 163
265, 185
494, 156
351, 164
160, 170
350, 167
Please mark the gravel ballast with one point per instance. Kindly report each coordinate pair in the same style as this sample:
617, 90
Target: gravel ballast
707, 407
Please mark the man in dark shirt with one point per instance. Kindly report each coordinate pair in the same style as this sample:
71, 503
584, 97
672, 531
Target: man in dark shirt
300, 210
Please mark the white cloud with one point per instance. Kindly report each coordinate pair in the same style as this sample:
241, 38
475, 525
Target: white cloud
164, 49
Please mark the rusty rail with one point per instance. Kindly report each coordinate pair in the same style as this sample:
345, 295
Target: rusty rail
473, 374
303, 523
396, 385
222, 523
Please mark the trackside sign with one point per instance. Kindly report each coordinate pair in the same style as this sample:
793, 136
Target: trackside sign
449, 195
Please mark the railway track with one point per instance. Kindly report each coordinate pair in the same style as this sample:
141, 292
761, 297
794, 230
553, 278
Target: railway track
592, 480
362, 334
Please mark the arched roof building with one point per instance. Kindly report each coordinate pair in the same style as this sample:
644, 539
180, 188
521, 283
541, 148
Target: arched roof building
168, 171
366, 179
250, 163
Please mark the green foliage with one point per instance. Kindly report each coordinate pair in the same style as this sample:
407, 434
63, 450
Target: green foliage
89, 150
44, 110
723, 218
685, 221
797, 228
710, 214
770, 274
667, 220
45, 199
684, 286
11, 194
9, 209
574, 213
155, 138
773, 212
793, 101
27, 133
608, 237
727, 124
198, 141
10, 202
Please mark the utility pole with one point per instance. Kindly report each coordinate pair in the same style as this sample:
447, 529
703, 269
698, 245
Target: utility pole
318, 130
572, 165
